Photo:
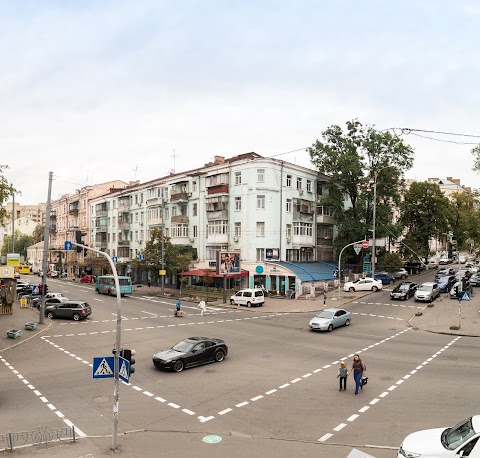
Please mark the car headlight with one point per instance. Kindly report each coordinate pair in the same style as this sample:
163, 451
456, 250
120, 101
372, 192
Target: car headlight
406, 454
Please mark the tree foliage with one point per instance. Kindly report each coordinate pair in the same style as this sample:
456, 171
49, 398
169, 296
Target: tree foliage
393, 262
6, 190
354, 159
38, 233
425, 213
22, 242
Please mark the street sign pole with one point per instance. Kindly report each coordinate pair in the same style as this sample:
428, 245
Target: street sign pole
340, 261
118, 342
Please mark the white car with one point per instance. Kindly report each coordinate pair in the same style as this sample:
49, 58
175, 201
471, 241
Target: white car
400, 273
248, 297
363, 284
461, 440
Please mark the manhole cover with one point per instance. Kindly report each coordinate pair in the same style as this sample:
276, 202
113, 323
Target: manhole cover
210, 371
101, 399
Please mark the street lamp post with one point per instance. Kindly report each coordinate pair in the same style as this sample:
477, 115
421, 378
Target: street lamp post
340, 261
162, 276
374, 221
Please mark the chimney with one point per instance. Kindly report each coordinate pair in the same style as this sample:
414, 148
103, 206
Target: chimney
218, 159
449, 178
432, 179
456, 181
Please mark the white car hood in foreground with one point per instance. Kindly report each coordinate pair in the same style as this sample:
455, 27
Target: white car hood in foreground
427, 443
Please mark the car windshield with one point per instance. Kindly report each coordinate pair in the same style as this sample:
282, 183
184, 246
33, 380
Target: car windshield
425, 288
404, 287
443, 279
325, 314
456, 436
184, 346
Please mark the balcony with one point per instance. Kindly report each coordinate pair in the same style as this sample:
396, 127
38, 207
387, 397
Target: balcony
74, 207
155, 222
123, 205
53, 228
101, 228
302, 240
180, 219
217, 214
303, 217
179, 196
325, 219
218, 189
155, 201
124, 243
124, 225
53, 215
100, 244
102, 212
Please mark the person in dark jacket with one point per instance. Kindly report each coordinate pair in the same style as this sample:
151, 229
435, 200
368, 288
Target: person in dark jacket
359, 369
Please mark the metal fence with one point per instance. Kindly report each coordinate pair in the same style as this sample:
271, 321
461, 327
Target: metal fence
39, 436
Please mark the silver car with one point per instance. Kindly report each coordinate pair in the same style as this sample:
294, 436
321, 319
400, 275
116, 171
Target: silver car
330, 318
427, 291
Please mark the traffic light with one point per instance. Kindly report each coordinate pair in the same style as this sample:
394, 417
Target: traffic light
78, 239
129, 356
45, 288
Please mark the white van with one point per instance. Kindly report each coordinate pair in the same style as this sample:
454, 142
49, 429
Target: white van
248, 297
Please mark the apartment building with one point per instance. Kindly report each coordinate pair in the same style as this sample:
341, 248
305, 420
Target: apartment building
268, 211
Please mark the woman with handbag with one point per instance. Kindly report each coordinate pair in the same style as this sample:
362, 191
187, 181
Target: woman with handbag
359, 369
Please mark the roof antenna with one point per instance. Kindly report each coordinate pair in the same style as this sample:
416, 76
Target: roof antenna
174, 156
135, 170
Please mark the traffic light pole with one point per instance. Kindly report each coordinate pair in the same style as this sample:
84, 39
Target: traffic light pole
118, 342
340, 262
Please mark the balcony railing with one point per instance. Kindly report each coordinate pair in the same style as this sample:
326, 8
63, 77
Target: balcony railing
124, 243
178, 196
124, 225
102, 212
100, 243
180, 219
221, 188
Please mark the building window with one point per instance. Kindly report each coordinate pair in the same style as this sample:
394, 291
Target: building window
179, 230
289, 181
217, 227
195, 232
260, 229
299, 183
194, 186
174, 211
194, 209
113, 237
114, 221
305, 229
319, 189
260, 254
325, 211
327, 233
260, 202
238, 229
309, 185
238, 203
289, 205
289, 231
260, 175
238, 177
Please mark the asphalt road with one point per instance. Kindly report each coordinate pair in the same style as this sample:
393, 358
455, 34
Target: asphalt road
275, 394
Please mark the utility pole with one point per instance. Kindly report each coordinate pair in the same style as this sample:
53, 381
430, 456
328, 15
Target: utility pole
46, 236
162, 277
374, 222
13, 223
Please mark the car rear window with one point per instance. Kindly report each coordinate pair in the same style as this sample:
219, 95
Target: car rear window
258, 293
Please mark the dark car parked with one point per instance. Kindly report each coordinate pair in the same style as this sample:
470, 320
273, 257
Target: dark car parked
475, 279
404, 290
69, 309
191, 352
446, 282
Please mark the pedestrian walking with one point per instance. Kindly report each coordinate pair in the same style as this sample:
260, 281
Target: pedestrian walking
358, 368
149, 282
342, 376
178, 306
202, 306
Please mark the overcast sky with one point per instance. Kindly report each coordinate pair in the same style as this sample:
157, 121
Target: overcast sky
101, 90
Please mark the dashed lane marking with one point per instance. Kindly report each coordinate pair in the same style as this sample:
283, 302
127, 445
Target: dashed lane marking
37, 393
376, 400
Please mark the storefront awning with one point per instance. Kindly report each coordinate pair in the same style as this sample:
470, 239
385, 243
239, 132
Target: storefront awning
309, 271
201, 273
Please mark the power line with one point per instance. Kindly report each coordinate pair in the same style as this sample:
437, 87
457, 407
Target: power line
408, 130
444, 141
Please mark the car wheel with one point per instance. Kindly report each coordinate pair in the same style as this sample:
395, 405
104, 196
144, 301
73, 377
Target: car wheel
374, 288
76, 316
178, 366
391, 282
219, 356
232, 302
347, 323
330, 328
351, 289
249, 304
50, 315
403, 277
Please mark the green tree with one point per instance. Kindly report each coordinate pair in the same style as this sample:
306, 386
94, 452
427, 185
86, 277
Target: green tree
38, 233
353, 160
22, 242
465, 219
393, 262
425, 213
6, 190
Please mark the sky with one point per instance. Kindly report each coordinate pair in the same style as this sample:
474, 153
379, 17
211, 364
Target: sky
95, 91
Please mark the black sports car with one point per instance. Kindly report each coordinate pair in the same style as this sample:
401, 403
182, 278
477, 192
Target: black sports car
191, 352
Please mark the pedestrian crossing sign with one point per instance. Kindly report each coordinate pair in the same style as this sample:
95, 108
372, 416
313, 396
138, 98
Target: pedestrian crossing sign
124, 369
464, 295
103, 367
